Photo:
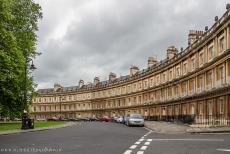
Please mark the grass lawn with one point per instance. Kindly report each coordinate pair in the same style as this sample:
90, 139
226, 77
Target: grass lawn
4, 126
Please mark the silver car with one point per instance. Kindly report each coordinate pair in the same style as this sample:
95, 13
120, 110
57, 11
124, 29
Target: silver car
134, 119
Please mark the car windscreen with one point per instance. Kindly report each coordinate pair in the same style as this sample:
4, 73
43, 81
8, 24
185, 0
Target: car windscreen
136, 116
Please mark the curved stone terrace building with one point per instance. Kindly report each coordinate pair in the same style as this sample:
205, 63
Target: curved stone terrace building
191, 85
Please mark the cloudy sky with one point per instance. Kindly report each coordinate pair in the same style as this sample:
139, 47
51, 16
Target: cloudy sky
81, 39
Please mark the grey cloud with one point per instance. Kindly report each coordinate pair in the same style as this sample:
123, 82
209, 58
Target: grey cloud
100, 36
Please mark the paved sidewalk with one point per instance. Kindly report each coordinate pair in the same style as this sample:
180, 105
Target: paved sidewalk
36, 129
166, 127
174, 128
209, 130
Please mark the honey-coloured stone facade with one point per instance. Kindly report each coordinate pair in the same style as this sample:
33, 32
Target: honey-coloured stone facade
193, 83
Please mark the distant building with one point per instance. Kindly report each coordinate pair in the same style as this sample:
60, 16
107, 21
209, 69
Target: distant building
191, 85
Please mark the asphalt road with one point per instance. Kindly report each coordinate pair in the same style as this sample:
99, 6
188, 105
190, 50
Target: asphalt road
111, 138
155, 143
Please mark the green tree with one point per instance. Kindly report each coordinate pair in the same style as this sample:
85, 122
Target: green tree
18, 26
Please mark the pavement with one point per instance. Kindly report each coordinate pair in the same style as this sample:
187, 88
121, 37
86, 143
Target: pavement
178, 128
36, 129
112, 138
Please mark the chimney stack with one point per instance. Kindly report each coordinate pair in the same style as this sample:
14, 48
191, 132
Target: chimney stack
112, 76
151, 61
171, 52
81, 83
57, 87
193, 36
133, 70
96, 80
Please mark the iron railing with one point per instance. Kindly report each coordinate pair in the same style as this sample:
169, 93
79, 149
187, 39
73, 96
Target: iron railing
209, 120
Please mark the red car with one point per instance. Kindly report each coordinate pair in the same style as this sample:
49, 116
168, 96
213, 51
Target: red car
105, 119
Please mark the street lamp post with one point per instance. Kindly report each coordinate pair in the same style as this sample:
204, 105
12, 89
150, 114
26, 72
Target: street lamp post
25, 120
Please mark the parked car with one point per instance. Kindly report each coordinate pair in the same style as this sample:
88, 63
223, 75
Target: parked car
74, 119
94, 119
41, 119
84, 119
105, 119
134, 119
53, 119
114, 119
120, 119
17, 119
63, 119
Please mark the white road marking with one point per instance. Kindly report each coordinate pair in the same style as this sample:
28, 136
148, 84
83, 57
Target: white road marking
215, 140
226, 150
144, 147
133, 147
148, 129
127, 152
147, 143
137, 142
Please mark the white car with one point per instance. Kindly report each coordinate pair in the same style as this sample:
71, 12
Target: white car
120, 119
41, 119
